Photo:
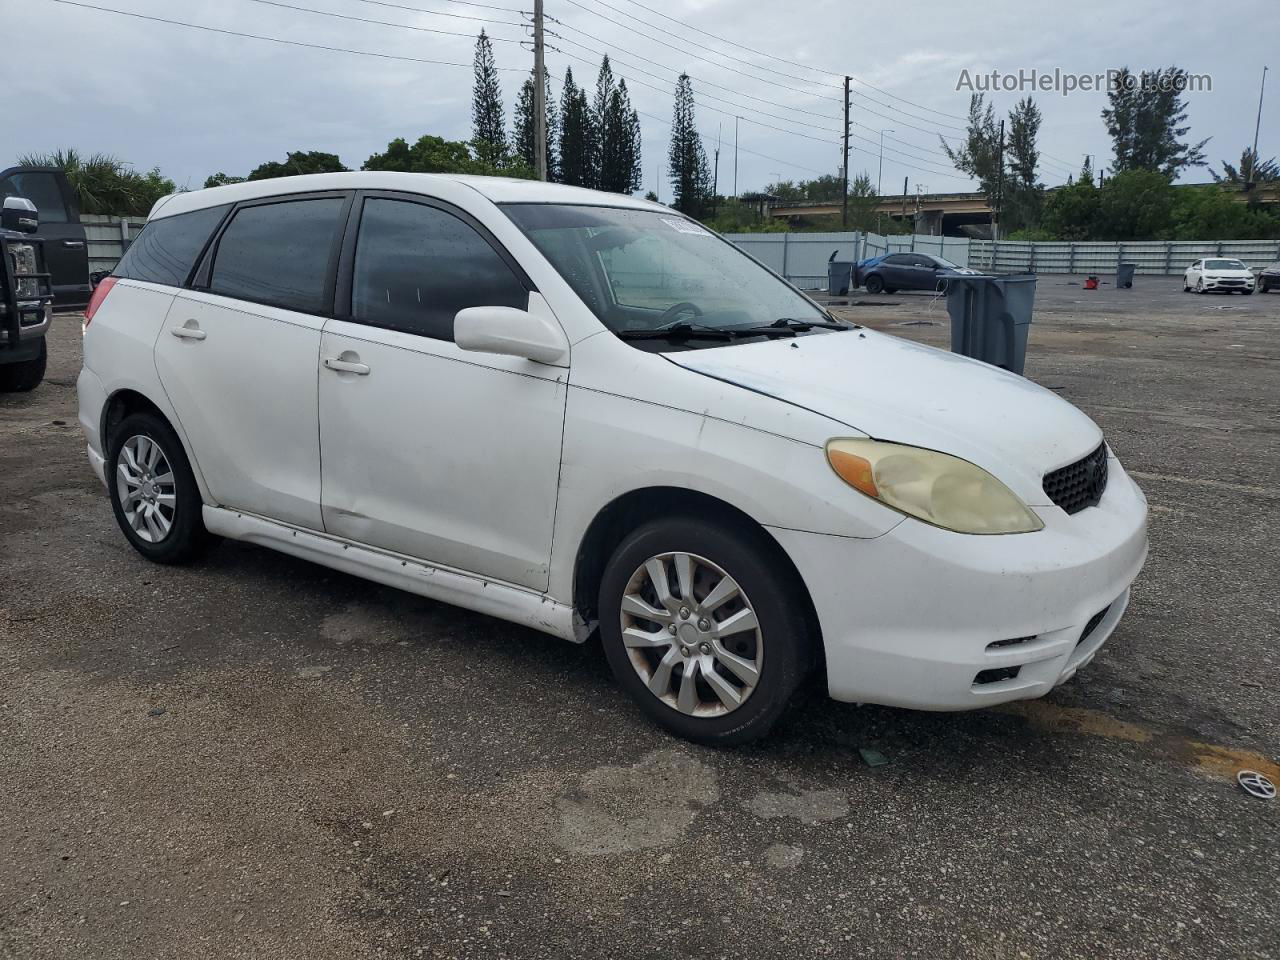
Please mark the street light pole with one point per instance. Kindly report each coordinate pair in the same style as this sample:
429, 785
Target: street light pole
1258, 124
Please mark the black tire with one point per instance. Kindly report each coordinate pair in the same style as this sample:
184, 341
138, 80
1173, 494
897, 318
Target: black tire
787, 644
1246, 292
25, 375
875, 283
186, 537
891, 290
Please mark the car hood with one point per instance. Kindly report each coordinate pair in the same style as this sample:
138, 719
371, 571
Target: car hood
893, 389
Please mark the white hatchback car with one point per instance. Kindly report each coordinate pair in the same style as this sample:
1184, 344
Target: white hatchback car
586, 413
1218, 273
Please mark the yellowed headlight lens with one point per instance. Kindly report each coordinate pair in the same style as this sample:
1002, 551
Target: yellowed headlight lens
934, 487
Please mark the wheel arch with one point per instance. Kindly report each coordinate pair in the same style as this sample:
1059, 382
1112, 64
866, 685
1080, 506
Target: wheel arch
628, 511
126, 401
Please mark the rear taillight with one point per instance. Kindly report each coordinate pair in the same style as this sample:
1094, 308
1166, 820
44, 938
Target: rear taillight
99, 294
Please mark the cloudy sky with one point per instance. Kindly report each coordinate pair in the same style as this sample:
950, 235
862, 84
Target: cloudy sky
194, 102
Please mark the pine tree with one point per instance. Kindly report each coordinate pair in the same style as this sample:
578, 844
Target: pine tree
1145, 120
1025, 193
488, 122
605, 149
687, 161
523, 136
620, 144
576, 135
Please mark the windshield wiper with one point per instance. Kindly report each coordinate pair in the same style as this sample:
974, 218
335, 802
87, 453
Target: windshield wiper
677, 331
790, 323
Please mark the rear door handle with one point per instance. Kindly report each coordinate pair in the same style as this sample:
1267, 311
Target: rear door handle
347, 366
188, 332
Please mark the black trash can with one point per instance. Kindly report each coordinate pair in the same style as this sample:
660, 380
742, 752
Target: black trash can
839, 277
990, 317
1124, 275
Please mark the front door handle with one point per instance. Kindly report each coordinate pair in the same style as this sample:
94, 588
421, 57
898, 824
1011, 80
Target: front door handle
346, 366
73, 244
188, 332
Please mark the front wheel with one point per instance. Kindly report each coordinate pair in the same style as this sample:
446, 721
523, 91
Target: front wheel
153, 491
1199, 286
702, 626
25, 375
875, 284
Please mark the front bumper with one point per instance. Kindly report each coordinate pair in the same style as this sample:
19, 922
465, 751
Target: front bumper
1227, 283
923, 618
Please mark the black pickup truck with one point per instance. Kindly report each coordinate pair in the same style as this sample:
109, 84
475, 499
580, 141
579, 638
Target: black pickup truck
26, 296
65, 250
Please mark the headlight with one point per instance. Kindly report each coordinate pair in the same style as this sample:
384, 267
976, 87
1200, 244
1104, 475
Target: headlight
934, 487
22, 257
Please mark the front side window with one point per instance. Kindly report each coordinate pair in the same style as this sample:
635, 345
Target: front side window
416, 266
645, 270
41, 189
167, 249
278, 253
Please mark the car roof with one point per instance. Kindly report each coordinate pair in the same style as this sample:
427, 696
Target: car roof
496, 189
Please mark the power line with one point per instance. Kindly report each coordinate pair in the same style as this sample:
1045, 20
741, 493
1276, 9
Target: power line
388, 23
763, 156
721, 66
761, 53
256, 36
443, 13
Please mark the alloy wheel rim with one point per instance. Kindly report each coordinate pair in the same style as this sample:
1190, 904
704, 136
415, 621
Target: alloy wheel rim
691, 634
146, 488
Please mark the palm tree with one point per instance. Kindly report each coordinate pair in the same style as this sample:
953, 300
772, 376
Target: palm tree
1251, 170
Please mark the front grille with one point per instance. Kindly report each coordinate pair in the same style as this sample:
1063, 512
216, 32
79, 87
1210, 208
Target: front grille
1080, 484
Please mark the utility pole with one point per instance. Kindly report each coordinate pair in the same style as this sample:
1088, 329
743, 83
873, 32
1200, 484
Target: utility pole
539, 95
999, 197
1257, 125
904, 198
735, 157
715, 177
844, 167
880, 177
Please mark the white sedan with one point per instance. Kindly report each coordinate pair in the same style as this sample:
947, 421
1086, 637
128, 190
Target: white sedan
1218, 273
590, 415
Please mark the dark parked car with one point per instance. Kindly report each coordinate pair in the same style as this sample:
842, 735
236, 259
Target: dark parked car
910, 271
65, 251
1269, 278
25, 300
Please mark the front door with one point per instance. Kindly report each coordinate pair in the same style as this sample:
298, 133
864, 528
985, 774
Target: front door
428, 450
238, 357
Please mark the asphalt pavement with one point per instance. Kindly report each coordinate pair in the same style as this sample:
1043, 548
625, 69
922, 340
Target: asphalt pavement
257, 757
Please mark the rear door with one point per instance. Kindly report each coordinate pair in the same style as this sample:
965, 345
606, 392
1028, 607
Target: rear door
893, 269
238, 354
66, 254
429, 450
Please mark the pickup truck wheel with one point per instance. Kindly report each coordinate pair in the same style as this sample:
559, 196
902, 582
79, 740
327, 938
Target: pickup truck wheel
25, 375
153, 491
702, 627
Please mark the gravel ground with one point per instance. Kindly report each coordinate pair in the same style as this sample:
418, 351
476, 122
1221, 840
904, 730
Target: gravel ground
257, 757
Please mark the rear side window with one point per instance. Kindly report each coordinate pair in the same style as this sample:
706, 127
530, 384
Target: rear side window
43, 190
278, 253
167, 249
416, 266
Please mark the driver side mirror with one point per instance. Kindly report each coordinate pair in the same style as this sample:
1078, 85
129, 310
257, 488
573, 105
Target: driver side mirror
511, 332
20, 215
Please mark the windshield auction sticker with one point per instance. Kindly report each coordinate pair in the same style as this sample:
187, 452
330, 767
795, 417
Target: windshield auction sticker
684, 226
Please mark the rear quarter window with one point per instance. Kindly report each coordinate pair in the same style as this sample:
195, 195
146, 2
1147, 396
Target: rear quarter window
167, 249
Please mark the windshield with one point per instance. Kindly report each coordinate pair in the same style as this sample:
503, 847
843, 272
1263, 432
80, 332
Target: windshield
1224, 265
644, 270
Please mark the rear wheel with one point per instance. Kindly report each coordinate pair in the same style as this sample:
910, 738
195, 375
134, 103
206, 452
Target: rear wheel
875, 284
153, 491
702, 627
26, 374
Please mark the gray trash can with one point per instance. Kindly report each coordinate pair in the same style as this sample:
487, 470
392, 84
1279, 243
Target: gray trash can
839, 277
1124, 275
990, 317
